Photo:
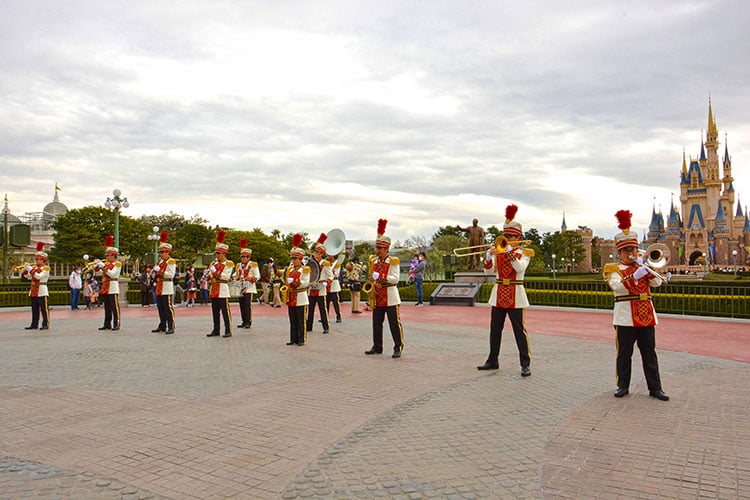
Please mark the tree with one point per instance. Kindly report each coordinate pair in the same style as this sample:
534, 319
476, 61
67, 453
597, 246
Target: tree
171, 222
492, 233
447, 231
82, 231
442, 246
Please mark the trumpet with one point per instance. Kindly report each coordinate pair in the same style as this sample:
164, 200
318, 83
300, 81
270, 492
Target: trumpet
501, 245
22, 267
91, 265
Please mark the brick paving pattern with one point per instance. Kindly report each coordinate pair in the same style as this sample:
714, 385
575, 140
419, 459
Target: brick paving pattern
133, 414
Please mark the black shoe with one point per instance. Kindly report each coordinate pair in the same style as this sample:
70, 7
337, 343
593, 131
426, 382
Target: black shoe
105, 328
396, 353
241, 326
525, 371
290, 343
300, 344
44, 328
115, 328
338, 320
228, 334
325, 331
621, 391
489, 366
170, 331
157, 330
248, 325
660, 395
213, 334
374, 350
31, 328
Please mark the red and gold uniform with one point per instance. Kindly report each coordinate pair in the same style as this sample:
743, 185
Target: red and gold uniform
247, 274
508, 297
634, 316
318, 288
109, 292
165, 271
297, 284
384, 275
38, 274
220, 274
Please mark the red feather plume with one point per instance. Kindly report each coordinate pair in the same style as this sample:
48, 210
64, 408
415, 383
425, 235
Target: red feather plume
623, 220
322, 238
297, 240
39, 246
510, 212
163, 237
109, 241
243, 242
220, 235
381, 226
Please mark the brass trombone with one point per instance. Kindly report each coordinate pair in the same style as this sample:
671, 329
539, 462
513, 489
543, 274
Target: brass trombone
22, 267
501, 245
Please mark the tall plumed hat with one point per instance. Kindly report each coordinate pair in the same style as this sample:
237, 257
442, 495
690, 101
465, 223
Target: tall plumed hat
109, 243
243, 247
220, 245
511, 227
626, 238
40, 250
382, 241
320, 243
297, 250
163, 245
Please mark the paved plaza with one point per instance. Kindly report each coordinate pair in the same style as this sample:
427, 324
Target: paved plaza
134, 414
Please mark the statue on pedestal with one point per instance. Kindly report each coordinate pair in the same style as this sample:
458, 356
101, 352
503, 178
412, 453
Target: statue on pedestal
476, 238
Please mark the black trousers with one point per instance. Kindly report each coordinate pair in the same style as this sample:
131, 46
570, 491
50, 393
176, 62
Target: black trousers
297, 334
220, 305
39, 306
320, 301
497, 321
394, 322
333, 298
627, 336
246, 308
111, 310
166, 312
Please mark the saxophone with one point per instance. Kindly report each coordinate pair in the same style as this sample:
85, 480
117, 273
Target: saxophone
284, 289
369, 286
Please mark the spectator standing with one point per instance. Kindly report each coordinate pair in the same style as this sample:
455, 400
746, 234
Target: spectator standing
75, 284
419, 276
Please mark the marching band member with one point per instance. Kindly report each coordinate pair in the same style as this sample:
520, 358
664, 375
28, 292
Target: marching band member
110, 289
247, 273
38, 274
634, 314
508, 297
354, 269
164, 271
220, 273
297, 283
334, 287
385, 276
319, 288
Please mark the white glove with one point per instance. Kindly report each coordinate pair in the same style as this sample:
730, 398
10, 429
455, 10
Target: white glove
290, 280
669, 275
28, 268
100, 265
640, 272
509, 248
157, 268
488, 255
639, 260
375, 275
213, 269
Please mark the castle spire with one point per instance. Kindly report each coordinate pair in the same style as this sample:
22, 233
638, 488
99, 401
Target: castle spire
712, 130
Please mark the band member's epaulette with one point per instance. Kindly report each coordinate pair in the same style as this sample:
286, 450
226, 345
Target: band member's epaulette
45, 268
229, 263
528, 252
610, 268
394, 261
253, 264
171, 261
306, 269
118, 263
326, 264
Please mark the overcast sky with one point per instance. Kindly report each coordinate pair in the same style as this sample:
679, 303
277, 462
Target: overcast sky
310, 115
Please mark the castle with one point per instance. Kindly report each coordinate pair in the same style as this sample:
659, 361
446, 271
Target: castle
706, 228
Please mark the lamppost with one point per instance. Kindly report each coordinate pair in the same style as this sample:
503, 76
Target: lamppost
574, 265
705, 263
554, 269
117, 203
734, 258
155, 238
562, 263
